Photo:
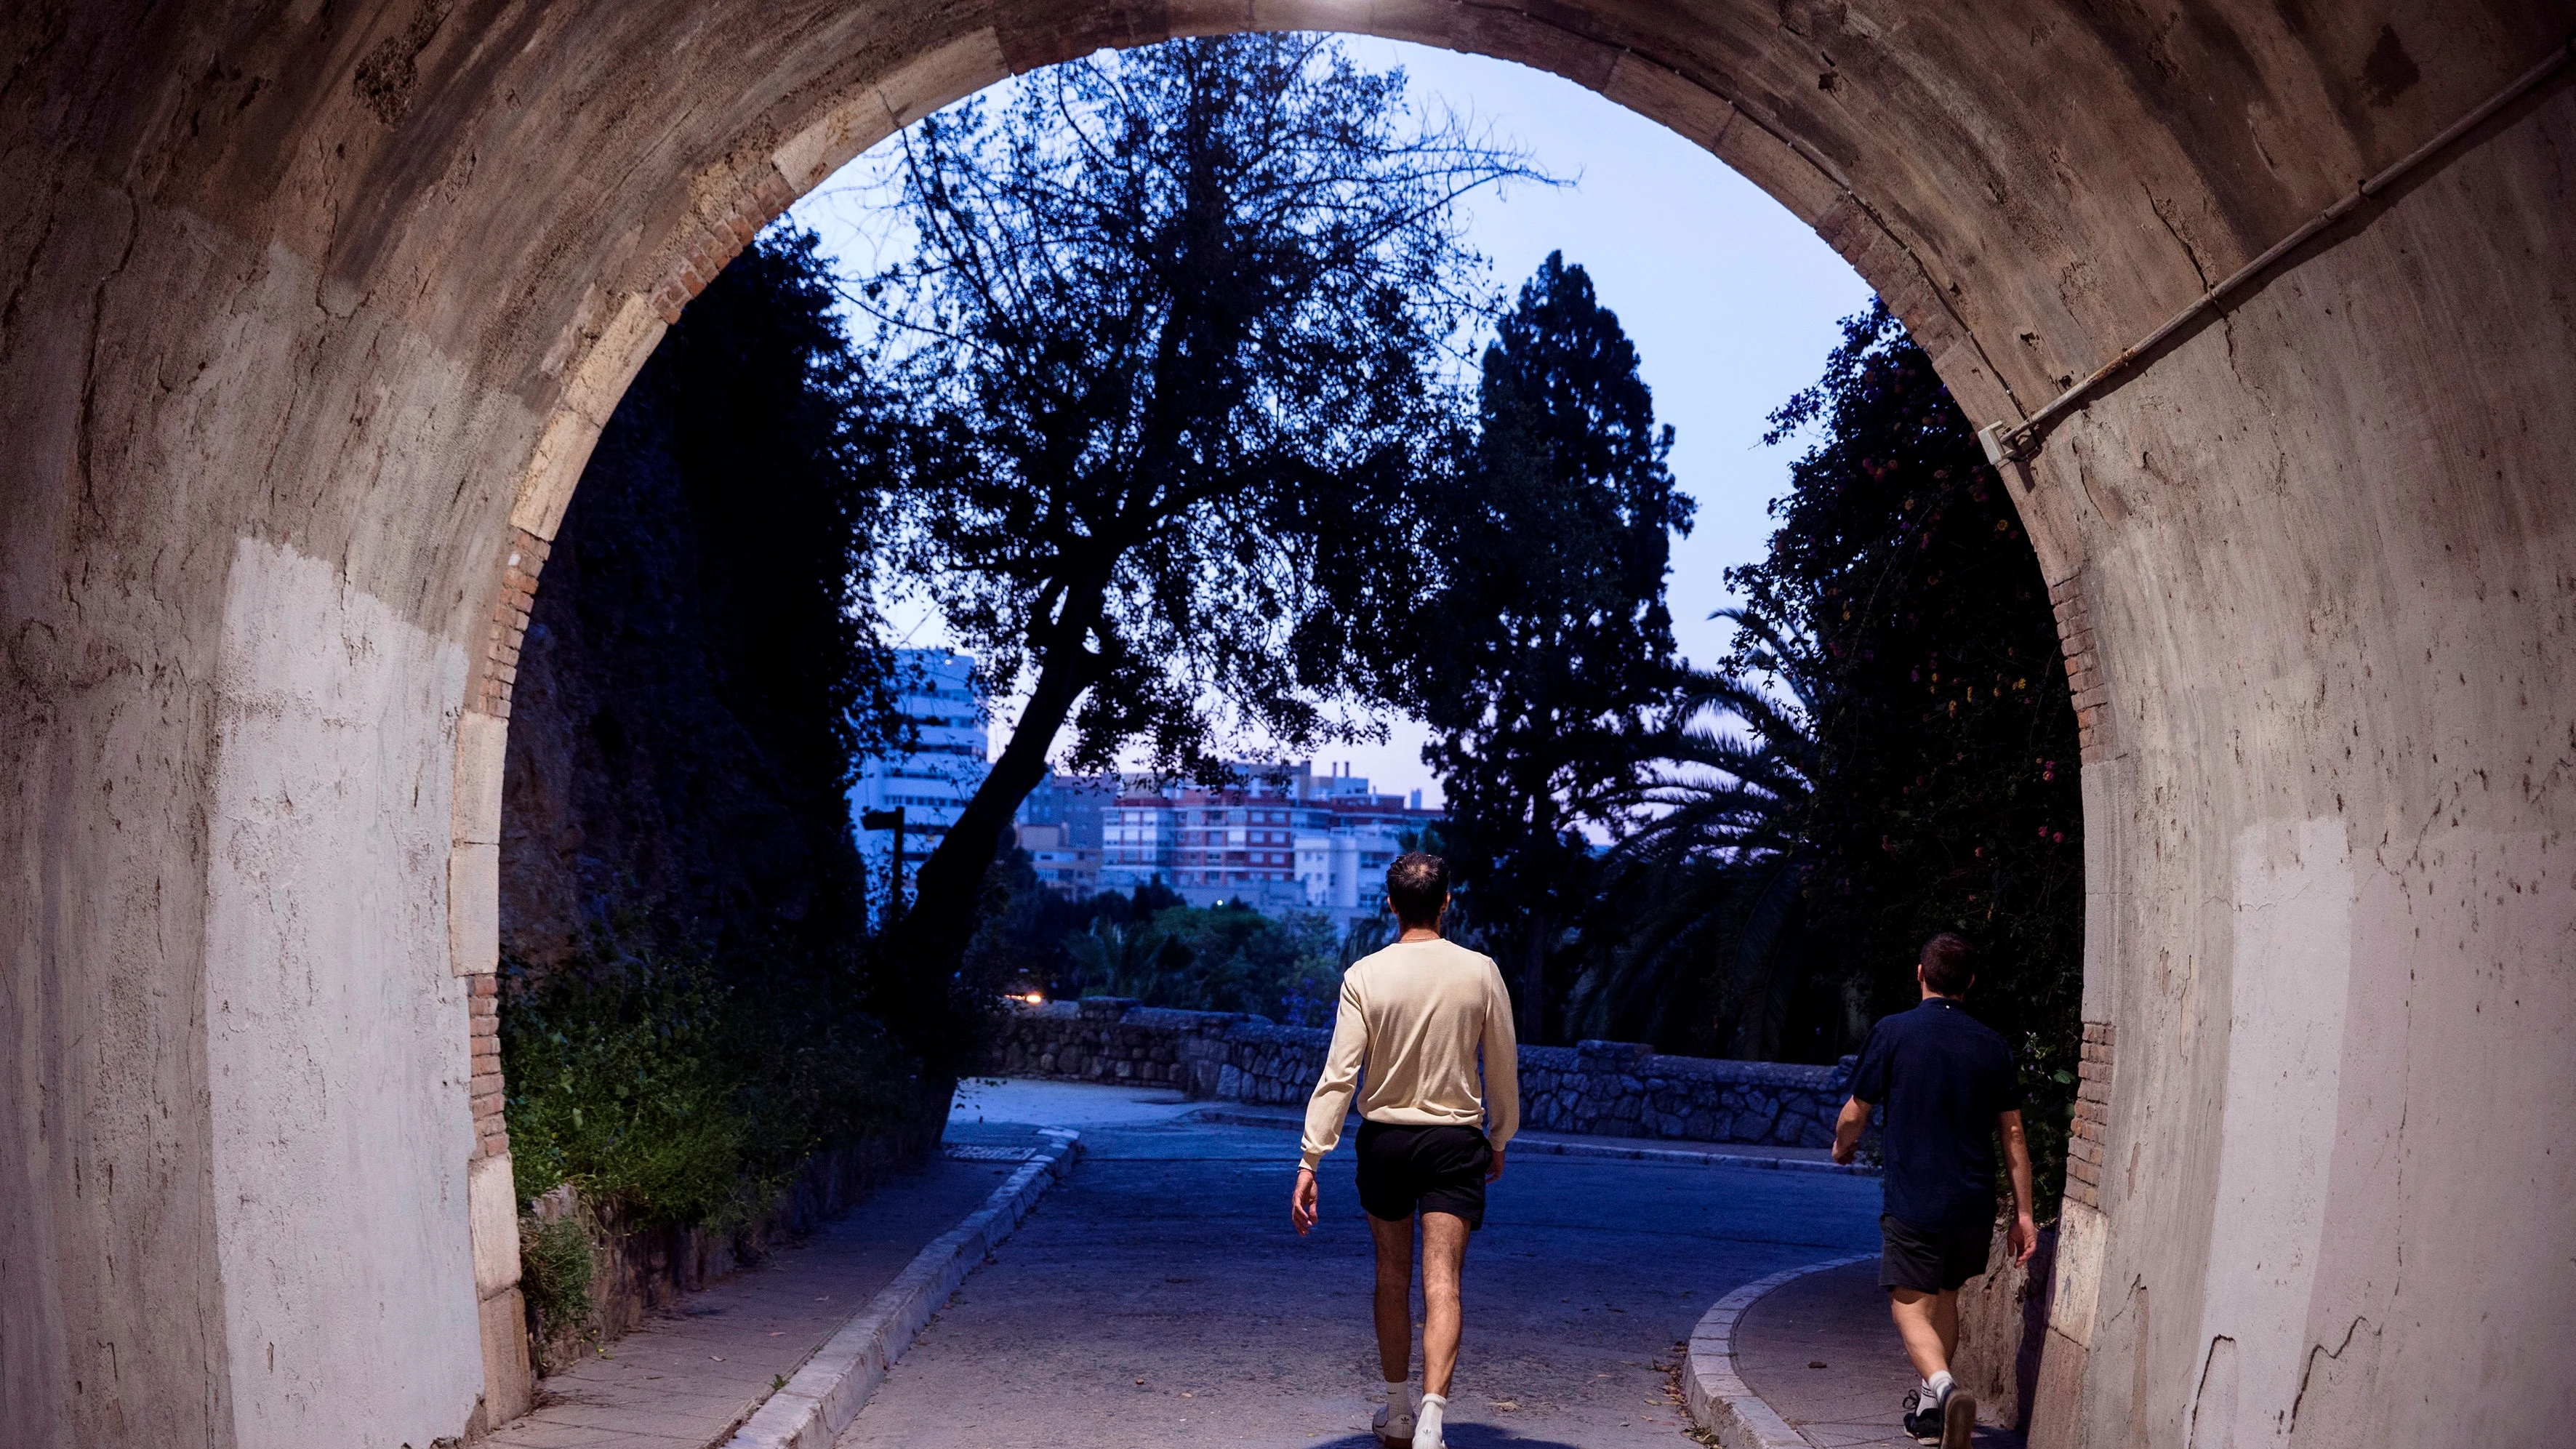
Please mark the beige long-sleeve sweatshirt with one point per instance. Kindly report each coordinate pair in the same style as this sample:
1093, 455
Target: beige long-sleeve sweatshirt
1415, 1015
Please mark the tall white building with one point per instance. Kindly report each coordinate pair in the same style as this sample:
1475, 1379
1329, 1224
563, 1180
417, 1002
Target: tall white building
935, 778
1349, 842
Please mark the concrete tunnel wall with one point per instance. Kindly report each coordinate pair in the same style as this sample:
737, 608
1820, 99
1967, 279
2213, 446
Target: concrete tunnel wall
308, 317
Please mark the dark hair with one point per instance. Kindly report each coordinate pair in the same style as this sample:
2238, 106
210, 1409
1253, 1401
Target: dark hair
1949, 964
1416, 885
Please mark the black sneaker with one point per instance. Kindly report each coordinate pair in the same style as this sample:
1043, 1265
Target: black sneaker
1958, 1419
1923, 1422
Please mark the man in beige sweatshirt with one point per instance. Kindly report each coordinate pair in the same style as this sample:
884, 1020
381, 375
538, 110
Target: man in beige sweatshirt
1417, 1016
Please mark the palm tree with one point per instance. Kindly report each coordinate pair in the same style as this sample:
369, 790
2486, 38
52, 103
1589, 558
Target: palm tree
1119, 958
1708, 888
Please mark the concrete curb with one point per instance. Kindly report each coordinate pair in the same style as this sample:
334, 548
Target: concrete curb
1560, 1147
1720, 1401
822, 1397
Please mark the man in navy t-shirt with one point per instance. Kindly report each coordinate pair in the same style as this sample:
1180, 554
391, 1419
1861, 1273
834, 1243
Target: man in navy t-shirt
1949, 1087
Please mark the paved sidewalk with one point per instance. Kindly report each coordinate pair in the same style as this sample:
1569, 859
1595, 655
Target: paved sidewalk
1167, 1260
1822, 1352
684, 1379
1079, 1105
1162, 1298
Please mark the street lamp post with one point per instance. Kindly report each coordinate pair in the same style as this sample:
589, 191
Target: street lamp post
889, 820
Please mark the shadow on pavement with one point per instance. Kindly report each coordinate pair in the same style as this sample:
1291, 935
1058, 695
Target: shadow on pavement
1459, 1436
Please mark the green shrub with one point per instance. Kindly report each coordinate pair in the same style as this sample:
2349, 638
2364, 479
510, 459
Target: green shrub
670, 1098
1221, 958
554, 1272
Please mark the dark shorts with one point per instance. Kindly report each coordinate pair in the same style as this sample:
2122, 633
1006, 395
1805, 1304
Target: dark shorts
1405, 1170
1930, 1262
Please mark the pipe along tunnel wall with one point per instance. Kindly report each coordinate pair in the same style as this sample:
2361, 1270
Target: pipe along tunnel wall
308, 316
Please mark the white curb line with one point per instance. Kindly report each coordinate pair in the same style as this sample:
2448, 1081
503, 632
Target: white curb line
823, 1397
1720, 1401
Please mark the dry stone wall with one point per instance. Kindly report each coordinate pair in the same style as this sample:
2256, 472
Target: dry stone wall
1622, 1089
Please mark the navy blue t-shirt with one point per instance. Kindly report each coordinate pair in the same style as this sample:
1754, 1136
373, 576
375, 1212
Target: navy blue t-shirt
1943, 1077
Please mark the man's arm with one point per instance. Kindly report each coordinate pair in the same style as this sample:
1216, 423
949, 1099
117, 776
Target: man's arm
1848, 1127
1869, 1087
2023, 1239
1502, 1053
1330, 1104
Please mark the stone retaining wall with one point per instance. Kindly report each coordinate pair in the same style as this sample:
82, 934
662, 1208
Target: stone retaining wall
1619, 1089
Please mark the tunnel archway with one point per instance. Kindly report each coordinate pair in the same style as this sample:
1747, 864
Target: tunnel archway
311, 318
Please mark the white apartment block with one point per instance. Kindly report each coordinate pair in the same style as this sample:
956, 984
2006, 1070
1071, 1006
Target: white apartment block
1137, 841
933, 780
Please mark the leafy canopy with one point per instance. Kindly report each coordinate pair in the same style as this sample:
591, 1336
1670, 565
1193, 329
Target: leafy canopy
1214, 958
1549, 649
1945, 795
1700, 935
1168, 351
1155, 385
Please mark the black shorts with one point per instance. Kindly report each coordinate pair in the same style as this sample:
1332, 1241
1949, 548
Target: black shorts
1405, 1170
1930, 1262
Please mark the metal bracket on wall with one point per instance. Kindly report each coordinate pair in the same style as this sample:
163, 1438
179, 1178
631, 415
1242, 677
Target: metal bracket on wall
2010, 442
1995, 439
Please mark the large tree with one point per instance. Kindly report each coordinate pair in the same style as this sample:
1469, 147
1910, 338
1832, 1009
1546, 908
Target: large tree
1945, 794
1160, 375
1549, 648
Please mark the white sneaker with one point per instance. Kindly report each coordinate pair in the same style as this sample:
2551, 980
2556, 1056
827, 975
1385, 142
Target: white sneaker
1427, 1423
1394, 1422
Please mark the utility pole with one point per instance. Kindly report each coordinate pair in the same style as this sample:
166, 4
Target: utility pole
889, 820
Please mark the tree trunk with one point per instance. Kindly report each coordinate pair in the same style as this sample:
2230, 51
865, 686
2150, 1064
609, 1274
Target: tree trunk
931, 937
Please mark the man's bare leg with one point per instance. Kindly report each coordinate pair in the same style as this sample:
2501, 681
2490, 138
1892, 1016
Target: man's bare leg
1919, 1317
1395, 1299
1444, 1252
1929, 1324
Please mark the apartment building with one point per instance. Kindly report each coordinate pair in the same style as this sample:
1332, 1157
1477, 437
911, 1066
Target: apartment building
1137, 842
1063, 826
932, 781
1285, 840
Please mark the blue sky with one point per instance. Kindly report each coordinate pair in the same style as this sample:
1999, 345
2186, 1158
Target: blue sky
1731, 301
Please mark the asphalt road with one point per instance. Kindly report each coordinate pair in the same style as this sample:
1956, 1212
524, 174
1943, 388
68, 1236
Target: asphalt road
1160, 1298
